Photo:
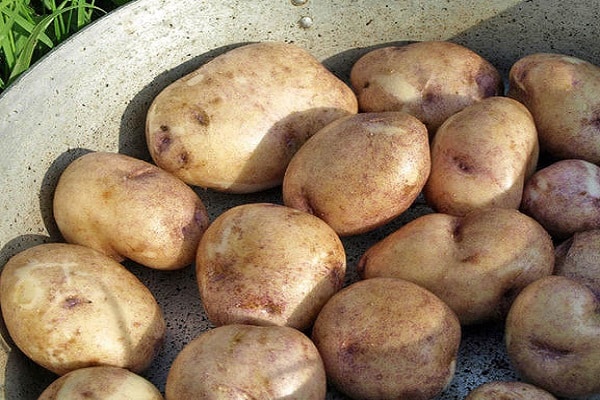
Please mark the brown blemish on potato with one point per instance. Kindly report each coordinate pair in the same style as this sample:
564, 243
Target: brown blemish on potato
142, 173
201, 117
548, 351
488, 85
163, 139
73, 301
464, 164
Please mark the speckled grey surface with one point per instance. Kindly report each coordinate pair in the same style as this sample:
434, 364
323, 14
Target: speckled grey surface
92, 93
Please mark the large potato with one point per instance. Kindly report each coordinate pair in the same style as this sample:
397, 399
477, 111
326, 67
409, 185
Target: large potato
552, 336
235, 122
235, 362
563, 95
128, 208
431, 80
386, 338
564, 197
469, 262
507, 390
267, 264
482, 156
102, 383
67, 307
360, 172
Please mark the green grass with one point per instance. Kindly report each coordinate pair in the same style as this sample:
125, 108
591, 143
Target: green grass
31, 28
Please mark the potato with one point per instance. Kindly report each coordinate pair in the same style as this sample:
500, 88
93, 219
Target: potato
431, 80
564, 197
563, 95
481, 157
267, 264
234, 123
67, 307
129, 208
552, 336
386, 338
505, 390
360, 172
469, 262
578, 258
106, 383
248, 362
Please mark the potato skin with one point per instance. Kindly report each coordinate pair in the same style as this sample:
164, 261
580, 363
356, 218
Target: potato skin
564, 197
386, 338
469, 262
267, 264
505, 390
67, 307
431, 80
563, 95
248, 362
106, 383
360, 171
482, 156
234, 123
129, 208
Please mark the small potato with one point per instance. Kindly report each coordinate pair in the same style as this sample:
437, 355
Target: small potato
385, 338
106, 383
235, 362
469, 262
431, 80
234, 124
552, 336
578, 258
128, 208
505, 390
564, 197
482, 156
266, 264
67, 307
360, 172
563, 95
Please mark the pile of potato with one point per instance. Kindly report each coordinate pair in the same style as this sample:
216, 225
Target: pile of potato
513, 236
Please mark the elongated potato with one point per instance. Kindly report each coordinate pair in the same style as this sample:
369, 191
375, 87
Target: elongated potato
67, 307
235, 122
128, 208
482, 156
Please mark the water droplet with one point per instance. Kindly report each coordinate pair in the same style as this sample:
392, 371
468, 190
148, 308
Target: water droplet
306, 22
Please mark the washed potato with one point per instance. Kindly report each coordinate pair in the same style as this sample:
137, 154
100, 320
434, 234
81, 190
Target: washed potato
106, 383
482, 156
552, 336
563, 94
564, 197
360, 172
236, 362
386, 338
234, 123
67, 307
431, 80
506, 390
268, 264
129, 208
578, 258
469, 262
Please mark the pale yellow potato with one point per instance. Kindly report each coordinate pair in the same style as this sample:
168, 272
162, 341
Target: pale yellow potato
105, 383
482, 156
236, 362
387, 338
508, 390
431, 80
564, 197
234, 123
476, 264
129, 208
360, 172
563, 94
267, 264
552, 336
67, 307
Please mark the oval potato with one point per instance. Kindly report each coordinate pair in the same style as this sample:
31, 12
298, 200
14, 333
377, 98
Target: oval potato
129, 208
498, 390
482, 156
360, 171
234, 123
67, 307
